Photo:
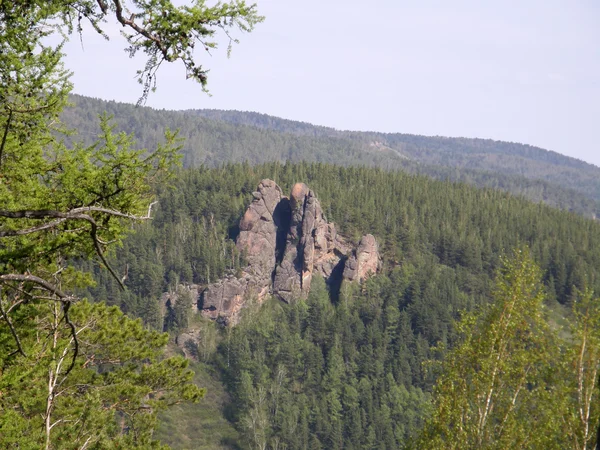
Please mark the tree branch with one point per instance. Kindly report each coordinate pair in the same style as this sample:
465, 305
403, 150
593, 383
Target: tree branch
10, 113
74, 336
74, 214
100, 253
103, 6
32, 229
164, 50
40, 282
12, 328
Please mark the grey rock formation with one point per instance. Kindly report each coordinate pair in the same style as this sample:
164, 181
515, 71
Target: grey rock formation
312, 245
259, 240
364, 261
330, 250
285, 242
291, 275
224, 299
258, 228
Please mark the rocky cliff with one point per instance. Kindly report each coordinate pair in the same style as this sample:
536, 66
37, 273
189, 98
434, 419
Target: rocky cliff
286, 240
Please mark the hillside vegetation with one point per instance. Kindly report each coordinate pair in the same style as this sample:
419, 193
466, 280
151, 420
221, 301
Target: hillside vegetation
345, 372
216, 137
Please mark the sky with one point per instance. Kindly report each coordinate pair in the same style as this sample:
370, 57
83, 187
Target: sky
520, 71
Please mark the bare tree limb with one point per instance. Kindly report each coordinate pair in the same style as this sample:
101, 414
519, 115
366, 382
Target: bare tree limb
73, 335
12, 328
40, 282
75, 213
32, 229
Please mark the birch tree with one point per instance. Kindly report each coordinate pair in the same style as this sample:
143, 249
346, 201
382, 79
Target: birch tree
582, 412
495, 389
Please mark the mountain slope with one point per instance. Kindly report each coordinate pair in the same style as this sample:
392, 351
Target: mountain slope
470, 153
316, 371
215, 137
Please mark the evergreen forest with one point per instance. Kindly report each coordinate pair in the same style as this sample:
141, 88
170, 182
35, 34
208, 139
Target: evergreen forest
212, 138
347, 369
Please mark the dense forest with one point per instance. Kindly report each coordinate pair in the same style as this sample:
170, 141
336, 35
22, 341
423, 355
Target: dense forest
345, 371
212, 138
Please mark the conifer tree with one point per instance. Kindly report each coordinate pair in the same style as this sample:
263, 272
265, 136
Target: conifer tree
73, 374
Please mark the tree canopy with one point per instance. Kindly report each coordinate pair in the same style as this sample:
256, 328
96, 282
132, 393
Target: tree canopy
73, 374
440, 243
161, 30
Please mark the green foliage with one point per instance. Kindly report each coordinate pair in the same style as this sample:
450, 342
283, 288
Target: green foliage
110, 398
446, 232
350, 373
496, 386
581, 368
217, 137
515, 382
104, 186
200, 426
322, 374
161, 30
75, 374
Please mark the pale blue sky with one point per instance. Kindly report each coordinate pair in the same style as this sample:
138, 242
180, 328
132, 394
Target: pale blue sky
524, 71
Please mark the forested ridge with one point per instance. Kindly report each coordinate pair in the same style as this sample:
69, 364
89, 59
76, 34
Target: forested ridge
345, 371
480, 329
214, 137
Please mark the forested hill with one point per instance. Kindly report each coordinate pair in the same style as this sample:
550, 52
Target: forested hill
344, 372
434, 149
216, 137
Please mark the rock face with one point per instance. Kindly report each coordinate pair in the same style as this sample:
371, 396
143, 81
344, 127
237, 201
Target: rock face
258, 236
311, 245
260, 241
286, 241
224, 299
364, 260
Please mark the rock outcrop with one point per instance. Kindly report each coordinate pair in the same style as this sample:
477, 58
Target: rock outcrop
364, 261
285, 242
312, 245
260, 241
258, 238
224, 299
